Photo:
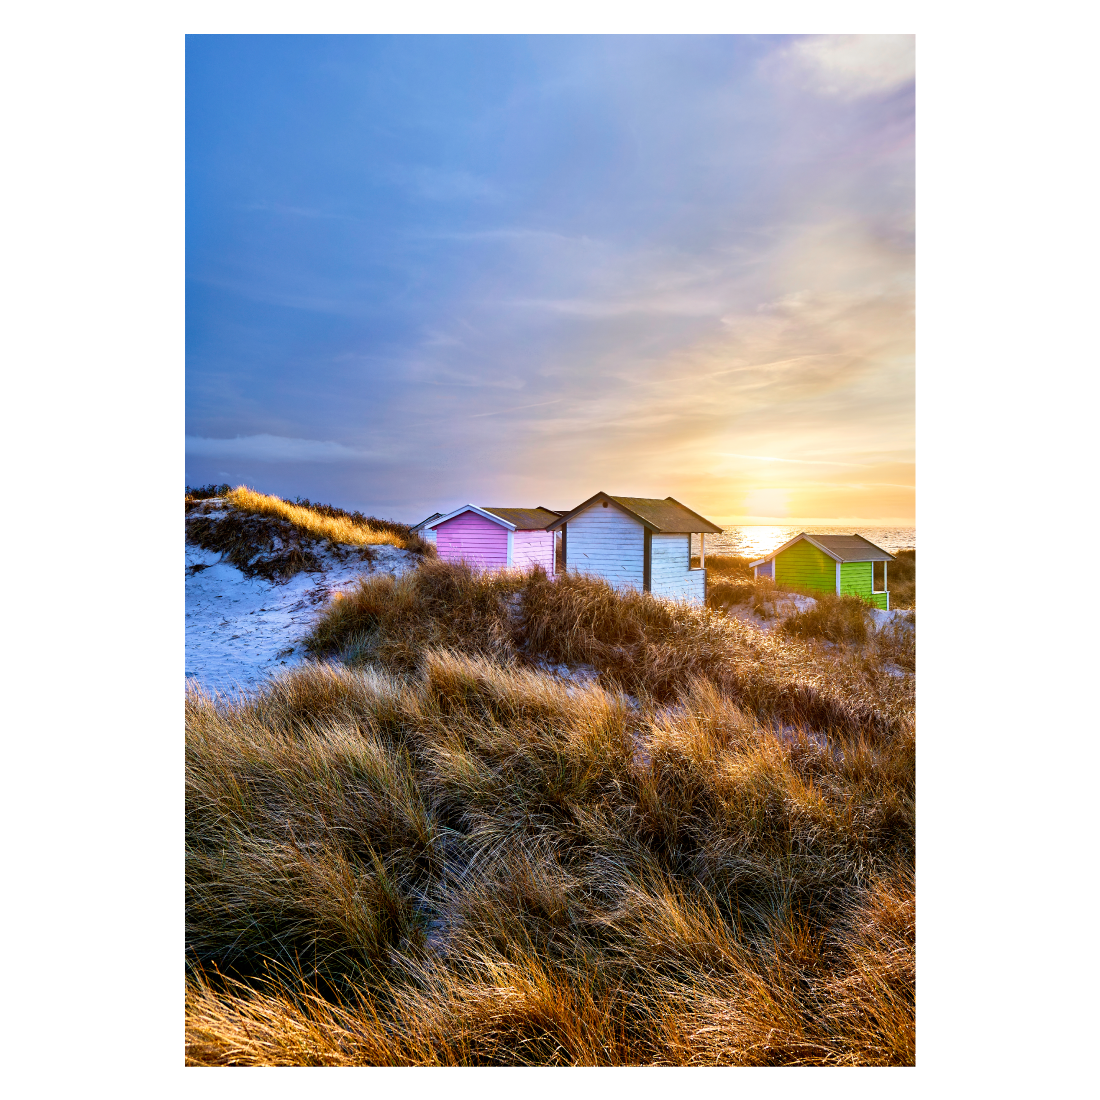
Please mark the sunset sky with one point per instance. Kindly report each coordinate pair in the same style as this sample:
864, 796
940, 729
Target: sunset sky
423, 272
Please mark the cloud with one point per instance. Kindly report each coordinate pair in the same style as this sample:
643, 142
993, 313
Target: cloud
517, 408
850, 66
686, 307
671, 265
274, 448
798, 461
440, 340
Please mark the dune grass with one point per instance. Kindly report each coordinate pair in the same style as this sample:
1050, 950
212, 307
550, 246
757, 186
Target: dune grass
432, 852
759, 594
730, 583
479, 865
338, 528
901, 579
637, 643
835, 618
729, 568
204, 492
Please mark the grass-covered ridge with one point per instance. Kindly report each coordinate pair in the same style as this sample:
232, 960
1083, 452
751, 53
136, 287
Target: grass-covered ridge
635, 642
431, 851
320, 522
267, 536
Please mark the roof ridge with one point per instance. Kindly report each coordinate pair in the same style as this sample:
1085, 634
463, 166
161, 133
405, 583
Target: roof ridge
676, 519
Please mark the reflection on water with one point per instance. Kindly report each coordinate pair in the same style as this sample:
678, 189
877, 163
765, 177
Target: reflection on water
756, 541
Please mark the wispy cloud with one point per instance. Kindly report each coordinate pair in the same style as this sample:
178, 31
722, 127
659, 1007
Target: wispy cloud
798, 461
516, 408
440, 340
443, 185
506, 234
851, 66
275, 448
593, 307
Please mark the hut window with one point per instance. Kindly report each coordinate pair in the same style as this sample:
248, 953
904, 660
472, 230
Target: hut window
878, 576
699, 562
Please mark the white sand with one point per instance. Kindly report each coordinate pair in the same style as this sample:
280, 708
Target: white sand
241, 630
786, 604
886, 618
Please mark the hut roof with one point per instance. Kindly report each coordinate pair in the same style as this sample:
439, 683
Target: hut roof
514, 519
526, 519
478, 511
853, 548
663, 517
840, 548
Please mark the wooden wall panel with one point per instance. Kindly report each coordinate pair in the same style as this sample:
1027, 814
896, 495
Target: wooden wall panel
606, 543
473, 538
530, 548
670, 576
804, 566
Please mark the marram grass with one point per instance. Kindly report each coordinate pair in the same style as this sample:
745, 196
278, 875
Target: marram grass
338, 529
442, 855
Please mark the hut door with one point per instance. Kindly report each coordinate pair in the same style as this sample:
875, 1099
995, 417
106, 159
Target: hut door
647, 562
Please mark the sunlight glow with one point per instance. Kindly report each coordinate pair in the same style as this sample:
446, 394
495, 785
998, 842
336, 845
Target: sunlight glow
798, 461
767, 502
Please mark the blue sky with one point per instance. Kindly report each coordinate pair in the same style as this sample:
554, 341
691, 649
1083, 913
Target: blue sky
426, 271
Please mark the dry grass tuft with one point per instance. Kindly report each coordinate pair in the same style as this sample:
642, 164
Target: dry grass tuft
478, 864
834, 618
759, 593
902, 579
638, 644
441, 604
204, 492
653, 647
258, 546
728, 568
895, 645
335, 528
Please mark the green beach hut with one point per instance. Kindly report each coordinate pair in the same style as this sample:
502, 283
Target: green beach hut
848, 565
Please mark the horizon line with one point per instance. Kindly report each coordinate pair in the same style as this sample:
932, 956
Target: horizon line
812, 521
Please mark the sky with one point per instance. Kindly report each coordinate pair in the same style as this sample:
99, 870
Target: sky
514, 271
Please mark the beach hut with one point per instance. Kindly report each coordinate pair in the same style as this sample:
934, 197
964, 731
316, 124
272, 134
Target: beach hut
848, 565
637, 542
423, 530
496, 538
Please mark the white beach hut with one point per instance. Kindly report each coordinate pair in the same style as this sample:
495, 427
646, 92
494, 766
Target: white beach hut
637, 542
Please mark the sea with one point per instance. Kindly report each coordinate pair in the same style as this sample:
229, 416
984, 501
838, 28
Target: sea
755, 541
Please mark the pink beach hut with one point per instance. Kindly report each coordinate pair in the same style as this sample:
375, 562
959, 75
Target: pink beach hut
496, 538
